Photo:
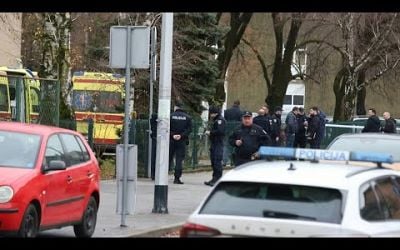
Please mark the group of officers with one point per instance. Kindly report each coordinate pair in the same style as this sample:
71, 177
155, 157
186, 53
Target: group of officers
243, 141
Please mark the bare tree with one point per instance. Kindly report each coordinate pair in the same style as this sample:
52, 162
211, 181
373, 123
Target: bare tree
278, 74
237, 25
371, 49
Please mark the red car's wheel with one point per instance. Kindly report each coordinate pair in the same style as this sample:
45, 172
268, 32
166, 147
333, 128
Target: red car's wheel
88, 224
30, 223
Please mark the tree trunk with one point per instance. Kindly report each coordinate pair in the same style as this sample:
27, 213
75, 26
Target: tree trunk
238, 25
56, 62
361, 95
282, 74
339, 90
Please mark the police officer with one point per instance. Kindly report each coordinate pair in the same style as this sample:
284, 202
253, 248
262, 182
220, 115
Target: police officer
181, 127
314, 128
262, 120
247, 139
275, 125
216, 134
300, 137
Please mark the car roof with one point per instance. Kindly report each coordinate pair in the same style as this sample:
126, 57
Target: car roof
323, 174
31, 128
371, 135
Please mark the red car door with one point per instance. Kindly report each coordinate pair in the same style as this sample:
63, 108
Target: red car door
80, 175
55, 195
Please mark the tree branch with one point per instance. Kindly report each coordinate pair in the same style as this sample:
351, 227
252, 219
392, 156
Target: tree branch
261, 61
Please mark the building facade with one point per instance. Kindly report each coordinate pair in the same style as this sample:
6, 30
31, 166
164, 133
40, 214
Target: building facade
10, 39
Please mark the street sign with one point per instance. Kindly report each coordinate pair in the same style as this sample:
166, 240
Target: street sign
140, 46
129, 48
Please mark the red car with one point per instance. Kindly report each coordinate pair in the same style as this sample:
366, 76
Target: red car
49, 178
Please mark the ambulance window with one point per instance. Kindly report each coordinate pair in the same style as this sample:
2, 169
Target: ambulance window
12, 92
287, 100
35, 100
298, 100
3, 98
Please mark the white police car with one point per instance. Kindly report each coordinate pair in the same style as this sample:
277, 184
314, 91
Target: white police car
308, 198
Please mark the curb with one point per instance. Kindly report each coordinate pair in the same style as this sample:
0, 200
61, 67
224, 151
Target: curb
152, 233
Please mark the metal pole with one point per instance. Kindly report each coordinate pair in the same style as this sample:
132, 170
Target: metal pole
153, 58
164, 105
126, 125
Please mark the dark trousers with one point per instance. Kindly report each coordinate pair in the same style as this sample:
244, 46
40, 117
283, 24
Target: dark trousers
315, 143
290, 140
216, 155
153, 157
239, 161
177, 149
300, 142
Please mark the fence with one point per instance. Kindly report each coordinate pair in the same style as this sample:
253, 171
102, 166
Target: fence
33, 100
197, 152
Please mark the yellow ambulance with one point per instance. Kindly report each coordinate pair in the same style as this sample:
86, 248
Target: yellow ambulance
99, 96
19, 95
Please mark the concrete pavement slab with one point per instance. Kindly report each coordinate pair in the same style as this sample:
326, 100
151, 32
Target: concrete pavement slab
182, 201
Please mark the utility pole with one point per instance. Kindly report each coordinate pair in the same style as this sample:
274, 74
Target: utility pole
163, 126
153, 77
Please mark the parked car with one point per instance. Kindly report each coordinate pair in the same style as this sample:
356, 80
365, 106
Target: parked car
371, 142
361, 120
302, 198
49, 178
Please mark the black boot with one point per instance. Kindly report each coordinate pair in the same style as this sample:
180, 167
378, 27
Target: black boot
210, 183
177, 181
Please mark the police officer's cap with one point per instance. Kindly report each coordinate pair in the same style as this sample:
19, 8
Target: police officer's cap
247, 114
213, 110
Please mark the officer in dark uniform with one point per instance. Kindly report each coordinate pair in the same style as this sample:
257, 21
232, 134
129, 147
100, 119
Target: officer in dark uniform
302, 123
262, 120
216, 133
153, 135
247, 139
313, 128
181, 127
275, 126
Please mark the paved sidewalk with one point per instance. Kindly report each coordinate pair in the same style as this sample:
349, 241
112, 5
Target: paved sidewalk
182, 201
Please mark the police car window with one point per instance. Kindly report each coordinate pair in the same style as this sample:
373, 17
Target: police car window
74, 154
3, 98
370, 209
266, 200
391, 195
54, 150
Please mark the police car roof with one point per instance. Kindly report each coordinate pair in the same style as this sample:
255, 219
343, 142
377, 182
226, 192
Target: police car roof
323, 174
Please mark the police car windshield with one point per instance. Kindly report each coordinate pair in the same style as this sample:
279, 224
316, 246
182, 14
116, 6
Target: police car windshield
14, 145
3, 98
97, 101
282, 201
378, 145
